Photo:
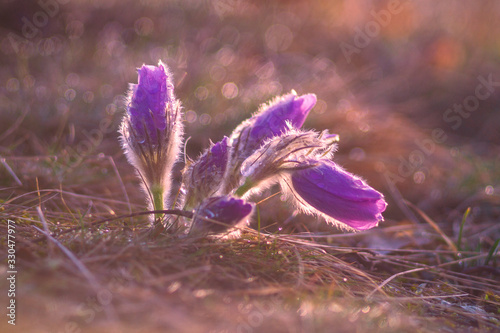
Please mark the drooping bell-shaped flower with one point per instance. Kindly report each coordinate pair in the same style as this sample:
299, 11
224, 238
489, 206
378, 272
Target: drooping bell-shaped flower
217, 214
151, 131
271, 120
340, 197
203, 177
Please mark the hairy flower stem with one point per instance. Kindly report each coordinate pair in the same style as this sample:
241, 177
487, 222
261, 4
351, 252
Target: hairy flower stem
244, 188
158, 197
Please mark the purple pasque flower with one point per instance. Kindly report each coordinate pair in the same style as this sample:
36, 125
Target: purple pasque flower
151, 131
340, 197
203, 177
271, 120
217, 214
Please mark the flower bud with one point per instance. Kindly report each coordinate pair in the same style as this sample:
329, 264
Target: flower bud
217, 214
203, 177
151, 131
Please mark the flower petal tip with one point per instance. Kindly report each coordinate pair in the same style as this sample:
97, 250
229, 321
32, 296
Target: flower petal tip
307, 102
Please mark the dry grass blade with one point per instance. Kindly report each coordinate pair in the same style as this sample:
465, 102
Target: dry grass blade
434, 225
10, 171
386, 281
16, 123
122, 185
110, 312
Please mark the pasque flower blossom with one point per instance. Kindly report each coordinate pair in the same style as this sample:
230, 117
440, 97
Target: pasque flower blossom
340, 197
271, 120
152, 130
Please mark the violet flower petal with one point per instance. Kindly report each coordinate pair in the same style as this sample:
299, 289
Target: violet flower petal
228, 211
272, 121
204, 176
149, 100
339, 195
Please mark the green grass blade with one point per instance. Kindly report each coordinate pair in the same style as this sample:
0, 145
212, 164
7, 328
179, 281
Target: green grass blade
464, 218
492, 251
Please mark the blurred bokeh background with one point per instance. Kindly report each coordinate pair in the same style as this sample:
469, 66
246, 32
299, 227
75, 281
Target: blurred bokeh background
399, 81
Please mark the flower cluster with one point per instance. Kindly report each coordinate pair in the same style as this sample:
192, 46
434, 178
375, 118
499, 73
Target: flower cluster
269, 148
